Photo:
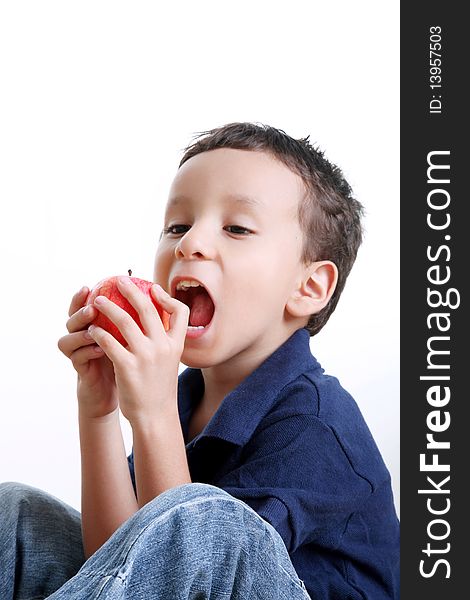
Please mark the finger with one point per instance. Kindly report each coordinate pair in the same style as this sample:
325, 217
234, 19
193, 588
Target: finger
81, 318
78, 300
83, 355
113, 349
68, 344
122, 319
178, 311
146, 310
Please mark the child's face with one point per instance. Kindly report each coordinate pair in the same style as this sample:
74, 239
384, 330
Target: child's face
246, 255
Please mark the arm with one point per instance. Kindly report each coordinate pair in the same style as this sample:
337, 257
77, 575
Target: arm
160, 461
146, 373
108, 497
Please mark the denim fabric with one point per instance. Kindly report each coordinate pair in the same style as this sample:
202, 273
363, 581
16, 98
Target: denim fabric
40, 542
193, 541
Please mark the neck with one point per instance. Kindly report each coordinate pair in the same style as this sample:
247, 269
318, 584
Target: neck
221, 379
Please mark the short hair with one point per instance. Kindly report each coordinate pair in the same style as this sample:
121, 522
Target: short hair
329, 217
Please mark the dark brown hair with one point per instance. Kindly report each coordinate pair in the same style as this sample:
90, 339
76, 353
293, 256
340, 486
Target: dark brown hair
329, 217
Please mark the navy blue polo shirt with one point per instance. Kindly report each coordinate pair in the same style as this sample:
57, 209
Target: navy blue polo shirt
292, 443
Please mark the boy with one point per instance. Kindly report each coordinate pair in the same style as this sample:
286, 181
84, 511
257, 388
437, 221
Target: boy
252, 474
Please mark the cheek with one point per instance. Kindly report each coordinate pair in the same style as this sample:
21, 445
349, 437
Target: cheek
256, 270
269, 278
252, 286
162, 264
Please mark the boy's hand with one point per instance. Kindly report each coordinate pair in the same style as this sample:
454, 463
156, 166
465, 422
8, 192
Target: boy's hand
96, 385
147, 370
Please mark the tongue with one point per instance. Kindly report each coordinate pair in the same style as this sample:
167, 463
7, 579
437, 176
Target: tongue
202, 309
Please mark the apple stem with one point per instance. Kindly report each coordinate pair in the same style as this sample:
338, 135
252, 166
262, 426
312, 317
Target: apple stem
129, 271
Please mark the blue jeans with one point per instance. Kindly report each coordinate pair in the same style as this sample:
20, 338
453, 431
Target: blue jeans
194, 541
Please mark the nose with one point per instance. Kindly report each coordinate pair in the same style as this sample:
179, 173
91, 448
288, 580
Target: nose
194, 244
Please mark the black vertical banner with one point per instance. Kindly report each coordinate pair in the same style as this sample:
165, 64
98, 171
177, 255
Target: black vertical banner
434, 257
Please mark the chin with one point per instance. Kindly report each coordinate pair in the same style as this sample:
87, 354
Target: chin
195, 362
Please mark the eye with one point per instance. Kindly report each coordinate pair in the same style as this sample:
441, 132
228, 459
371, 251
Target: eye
235, 229
171, 228
244, 230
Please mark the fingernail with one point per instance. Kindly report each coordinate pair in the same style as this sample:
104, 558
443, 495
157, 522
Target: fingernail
91, 328
125, 280
87, 336
100, 299
87, 311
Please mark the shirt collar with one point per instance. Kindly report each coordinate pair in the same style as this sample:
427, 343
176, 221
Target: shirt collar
244, 407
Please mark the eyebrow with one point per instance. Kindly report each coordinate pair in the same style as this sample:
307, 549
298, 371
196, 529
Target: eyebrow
238, 199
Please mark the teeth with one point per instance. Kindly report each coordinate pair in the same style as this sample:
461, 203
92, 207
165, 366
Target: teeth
195, 326
185, 284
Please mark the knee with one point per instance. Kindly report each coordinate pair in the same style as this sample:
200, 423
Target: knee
198, 518
12, 496
196, 525
11, 490
15, 489
193, 491
202, 505
7, 487
191, 509
184, 496
20, 496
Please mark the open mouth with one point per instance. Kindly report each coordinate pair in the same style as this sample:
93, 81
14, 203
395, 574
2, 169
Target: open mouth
200, 304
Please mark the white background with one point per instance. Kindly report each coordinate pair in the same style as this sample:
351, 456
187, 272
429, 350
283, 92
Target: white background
98, 100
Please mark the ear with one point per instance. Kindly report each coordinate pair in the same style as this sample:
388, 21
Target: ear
315, 290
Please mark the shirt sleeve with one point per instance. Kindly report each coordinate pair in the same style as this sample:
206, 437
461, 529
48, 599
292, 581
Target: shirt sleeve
297, 476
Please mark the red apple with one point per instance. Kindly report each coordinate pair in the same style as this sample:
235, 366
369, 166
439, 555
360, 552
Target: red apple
109, 287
